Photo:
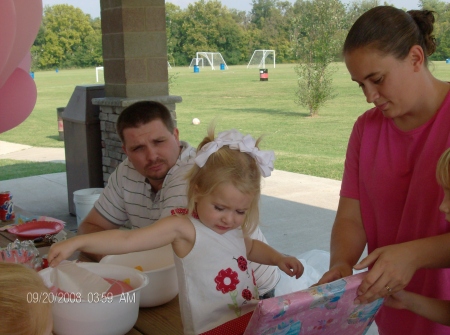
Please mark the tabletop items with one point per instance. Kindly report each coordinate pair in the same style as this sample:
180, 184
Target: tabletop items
159, 266
21, 252
6, 206
99, 313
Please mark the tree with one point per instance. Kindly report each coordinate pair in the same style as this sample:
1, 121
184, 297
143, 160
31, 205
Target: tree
174, 21
441, 27
318, 35
68, 37
210, 27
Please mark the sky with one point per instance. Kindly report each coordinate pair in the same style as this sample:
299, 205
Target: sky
92, 7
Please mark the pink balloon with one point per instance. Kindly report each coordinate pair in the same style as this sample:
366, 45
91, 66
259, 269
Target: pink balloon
26, 62
28, 20
7, 29
17, 99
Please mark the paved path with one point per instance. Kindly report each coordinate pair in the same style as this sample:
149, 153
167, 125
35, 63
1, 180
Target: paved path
28, 153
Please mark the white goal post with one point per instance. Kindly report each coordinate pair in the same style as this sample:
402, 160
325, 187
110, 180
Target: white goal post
98, 68
258, 58
212, 59
196, 61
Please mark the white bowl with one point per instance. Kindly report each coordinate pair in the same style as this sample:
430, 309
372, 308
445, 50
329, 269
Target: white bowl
158, 265
114, 317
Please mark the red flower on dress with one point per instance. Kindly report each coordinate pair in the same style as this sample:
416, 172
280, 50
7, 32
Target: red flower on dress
242, 263
246, 294
226, 280
181, 211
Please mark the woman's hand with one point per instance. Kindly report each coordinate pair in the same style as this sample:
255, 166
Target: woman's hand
291, 266
393, 268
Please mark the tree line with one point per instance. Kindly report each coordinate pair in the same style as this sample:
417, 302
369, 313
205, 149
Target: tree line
70, 38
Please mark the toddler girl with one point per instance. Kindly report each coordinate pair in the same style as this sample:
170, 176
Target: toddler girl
25, 304
211, 243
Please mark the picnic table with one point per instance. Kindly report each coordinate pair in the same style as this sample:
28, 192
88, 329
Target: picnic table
160, 320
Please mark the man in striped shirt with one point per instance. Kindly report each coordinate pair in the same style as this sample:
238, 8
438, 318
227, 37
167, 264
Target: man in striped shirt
150, 183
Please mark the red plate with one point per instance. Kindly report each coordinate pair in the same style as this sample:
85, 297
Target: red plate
34, 229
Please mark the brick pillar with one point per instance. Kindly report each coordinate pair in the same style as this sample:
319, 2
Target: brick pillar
135, 66
134, 48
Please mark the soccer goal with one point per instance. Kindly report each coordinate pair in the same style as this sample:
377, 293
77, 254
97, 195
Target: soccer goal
261, 57
212, 59
98, 68
196, 61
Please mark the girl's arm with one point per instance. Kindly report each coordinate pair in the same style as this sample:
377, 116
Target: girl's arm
261, 253
114, 242
433, 309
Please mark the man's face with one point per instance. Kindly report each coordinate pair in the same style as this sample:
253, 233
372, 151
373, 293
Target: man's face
152, 149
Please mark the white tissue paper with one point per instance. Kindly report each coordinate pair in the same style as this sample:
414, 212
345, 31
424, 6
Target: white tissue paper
315, 263
69, 277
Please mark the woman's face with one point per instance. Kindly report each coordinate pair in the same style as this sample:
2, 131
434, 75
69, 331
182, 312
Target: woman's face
386, 82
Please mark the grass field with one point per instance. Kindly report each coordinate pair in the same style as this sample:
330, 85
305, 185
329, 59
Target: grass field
237, 99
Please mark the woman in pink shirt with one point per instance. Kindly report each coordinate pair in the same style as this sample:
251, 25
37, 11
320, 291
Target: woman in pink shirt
389, 196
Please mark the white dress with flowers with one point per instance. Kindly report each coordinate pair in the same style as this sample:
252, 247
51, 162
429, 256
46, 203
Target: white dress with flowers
215, 282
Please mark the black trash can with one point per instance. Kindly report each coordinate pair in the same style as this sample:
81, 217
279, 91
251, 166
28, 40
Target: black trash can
82, 141
59, 112
263, 74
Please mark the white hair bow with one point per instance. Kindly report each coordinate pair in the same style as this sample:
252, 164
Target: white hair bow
236, 141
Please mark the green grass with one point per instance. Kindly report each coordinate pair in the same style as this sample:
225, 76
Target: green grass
237, 99
11, 169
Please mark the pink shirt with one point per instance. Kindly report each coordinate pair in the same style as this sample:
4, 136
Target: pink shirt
393, 175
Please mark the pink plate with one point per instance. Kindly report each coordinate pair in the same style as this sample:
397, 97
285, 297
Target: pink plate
34, 229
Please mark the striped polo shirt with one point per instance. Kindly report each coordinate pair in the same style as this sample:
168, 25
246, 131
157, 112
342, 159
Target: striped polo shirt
128, 196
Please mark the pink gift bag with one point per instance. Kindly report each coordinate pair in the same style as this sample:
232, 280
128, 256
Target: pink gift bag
324, 309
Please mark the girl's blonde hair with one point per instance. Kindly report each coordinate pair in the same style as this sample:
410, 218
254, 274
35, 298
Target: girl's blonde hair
226, 166
20, 313
443, 169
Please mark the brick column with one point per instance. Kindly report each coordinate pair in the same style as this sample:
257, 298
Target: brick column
134, 48
135, 66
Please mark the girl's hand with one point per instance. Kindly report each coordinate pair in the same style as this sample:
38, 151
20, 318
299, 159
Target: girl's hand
393, 268
336, 272
60, 251
291, 266
397, 300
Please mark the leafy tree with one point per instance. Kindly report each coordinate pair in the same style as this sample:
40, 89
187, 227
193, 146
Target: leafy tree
174, 21
68, 37
441, 27
261, 11
210, 27
318, 35
356, 8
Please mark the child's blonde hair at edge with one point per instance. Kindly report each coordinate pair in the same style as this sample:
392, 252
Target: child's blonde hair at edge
20, 314
443, 169
226, 166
